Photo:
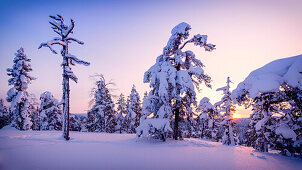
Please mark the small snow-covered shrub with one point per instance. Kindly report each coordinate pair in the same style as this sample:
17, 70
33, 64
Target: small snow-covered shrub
157, 128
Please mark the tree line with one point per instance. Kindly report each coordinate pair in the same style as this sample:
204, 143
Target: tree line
168, 110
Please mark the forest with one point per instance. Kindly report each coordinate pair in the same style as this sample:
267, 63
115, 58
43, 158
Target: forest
170, 109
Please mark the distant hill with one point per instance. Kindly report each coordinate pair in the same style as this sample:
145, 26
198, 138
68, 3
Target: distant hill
241, 126
242, 122
79, 114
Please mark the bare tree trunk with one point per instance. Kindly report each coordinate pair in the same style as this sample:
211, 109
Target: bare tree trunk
66, 107
265, 142
20, 124
176, 135
65, 96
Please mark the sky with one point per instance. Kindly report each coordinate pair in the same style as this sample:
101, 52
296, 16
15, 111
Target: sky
123, 39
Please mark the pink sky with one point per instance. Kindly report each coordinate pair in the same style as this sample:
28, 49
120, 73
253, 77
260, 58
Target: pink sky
123, 38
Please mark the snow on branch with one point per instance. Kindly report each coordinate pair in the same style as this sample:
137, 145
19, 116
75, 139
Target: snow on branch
270, 77
75, 40
47, 45
75, 59
70, 28
69, 74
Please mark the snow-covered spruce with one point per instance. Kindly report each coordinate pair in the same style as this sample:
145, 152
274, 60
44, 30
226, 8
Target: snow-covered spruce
121, 112
58, 25
159, 128
78, 122
288, 130
3, 109
4, 115
101, 117
206, 120
50, 112
34, 112
274, 89
18, 95
133, 112
226, 108
174, 75
241, 126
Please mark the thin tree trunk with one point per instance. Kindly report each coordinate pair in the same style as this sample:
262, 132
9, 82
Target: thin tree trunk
66, 107
65, 96
176, 122
20, 124
176, 135
265, 142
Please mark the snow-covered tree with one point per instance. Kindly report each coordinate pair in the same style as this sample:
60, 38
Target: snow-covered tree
18, 95
206, 119
50, 112
288, 130
134, 111
3, 108
58, 25
174, 75
4, 116
241, 127
121, 112
251, 135
101, 117
34, 112
145, 96
226, 108
267, 89
78, 122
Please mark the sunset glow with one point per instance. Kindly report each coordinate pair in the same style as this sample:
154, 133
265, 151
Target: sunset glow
122, 46
151, 84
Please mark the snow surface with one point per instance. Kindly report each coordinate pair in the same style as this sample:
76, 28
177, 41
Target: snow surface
47, 150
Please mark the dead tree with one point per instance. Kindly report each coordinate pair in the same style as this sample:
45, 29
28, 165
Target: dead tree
59, 27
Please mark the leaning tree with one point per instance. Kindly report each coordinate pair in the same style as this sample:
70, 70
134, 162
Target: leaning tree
58, 25
273, 89
174, 75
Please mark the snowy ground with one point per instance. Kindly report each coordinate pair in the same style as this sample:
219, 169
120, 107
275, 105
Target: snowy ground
30, 150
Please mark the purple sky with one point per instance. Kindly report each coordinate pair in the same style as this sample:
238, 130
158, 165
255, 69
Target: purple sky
123, 38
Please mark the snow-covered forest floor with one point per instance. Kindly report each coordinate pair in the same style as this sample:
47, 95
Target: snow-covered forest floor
47, 150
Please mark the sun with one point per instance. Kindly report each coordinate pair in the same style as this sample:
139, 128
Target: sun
241, 112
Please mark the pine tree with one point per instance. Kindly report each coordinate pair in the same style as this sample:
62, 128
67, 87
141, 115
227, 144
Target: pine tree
4, 116
206, 119
121, 111
59, 27
289, 125
134, 111
18, 95
101, 117
77, 122
173, 77
145, 95
50, 112
226, 108
273, 89
34, 112
261, 132
250, 134
3, 108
